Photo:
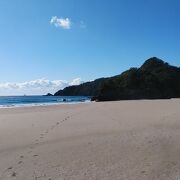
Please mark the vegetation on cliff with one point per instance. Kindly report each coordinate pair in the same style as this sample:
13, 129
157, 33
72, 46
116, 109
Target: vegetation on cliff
155, 79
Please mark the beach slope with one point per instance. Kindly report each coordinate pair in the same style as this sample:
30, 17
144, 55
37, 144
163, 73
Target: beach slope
122, 140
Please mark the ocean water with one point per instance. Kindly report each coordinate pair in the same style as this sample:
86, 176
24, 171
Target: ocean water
20, 101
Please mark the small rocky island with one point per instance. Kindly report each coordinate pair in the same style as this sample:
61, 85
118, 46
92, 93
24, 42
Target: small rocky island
49, 94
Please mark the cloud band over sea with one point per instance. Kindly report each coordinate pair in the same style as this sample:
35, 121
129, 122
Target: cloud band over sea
36, 87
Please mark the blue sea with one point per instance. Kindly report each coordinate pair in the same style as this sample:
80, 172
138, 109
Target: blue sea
20, 101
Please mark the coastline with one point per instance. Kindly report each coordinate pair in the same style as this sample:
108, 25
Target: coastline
73, 103
136, 139
40, 105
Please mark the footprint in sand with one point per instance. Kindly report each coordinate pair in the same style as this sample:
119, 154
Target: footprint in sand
13, 174
21, 157
7, 172
41, 136
20, 162
67, 118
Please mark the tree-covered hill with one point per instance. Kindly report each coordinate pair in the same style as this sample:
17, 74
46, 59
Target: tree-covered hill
155, 79
85, 89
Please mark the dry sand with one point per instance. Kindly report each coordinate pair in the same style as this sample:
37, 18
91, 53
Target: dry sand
125, 140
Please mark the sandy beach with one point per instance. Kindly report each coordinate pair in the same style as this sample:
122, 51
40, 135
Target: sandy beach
123, 140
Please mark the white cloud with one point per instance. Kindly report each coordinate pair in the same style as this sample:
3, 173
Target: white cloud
76, 81
36, 87
64, 23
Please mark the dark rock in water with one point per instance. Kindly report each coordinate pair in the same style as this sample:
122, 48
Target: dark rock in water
155, 79
48, 94
64, 100
94, 98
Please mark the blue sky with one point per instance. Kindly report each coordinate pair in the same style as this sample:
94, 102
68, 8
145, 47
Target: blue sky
99, 38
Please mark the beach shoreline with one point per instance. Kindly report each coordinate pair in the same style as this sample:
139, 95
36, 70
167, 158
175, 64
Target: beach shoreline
41, 105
